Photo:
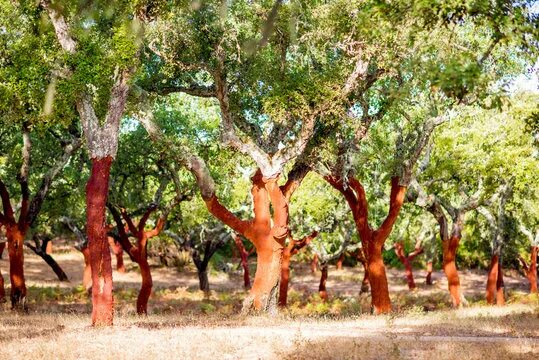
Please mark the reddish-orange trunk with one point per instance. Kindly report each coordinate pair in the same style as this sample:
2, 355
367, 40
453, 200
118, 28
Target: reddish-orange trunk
15, 241
2, 289
531, 274
87, 274
147, 282
267, 276
322, 286
495, 294
405, 260
377, 277
365, 283
244, 256
450, 269
429, 273
48, 249
314, 263
100, 259
118, 253
285, 276
340, 260
500, 286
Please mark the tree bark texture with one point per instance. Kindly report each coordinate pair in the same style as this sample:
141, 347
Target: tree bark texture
322, 291
100, 260
495, 285
266, 232
372, 240
292, 248
428, 279
244, 256
449, 248
118, 253
531, 269
406, 260
2, 289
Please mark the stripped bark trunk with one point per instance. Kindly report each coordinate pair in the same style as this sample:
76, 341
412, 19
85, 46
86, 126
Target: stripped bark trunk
365, 284
340, 260
372, 240
100, 260
531, 269
495, 285
285, 275
15, 239
449, 248
292, 248
266, 235
244, 256
378, 279
87, 274
406, 260
314, 263
428, 279
118, 253
322, 286
2, 289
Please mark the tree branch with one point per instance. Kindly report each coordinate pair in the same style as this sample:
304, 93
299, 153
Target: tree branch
39, 197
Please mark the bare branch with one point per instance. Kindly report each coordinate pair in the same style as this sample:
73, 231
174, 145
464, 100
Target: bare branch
60, 27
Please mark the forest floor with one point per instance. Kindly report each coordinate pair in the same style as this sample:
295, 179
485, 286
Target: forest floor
183, 324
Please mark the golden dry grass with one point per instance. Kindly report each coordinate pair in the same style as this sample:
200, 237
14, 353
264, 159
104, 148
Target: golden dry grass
511, 332
184, 325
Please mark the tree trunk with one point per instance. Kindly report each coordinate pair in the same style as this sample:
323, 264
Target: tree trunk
48, 249
429, 273
263, 294
2, 289
322, 286
100, 259
377, 276
203, 282
15, 239
285, 276
244, 257
42, 253
147, 283
531, 274
449, 248
365, 283
492, 280
314, 263
340, 261
87, 274
118, 253
500, 286
405, 260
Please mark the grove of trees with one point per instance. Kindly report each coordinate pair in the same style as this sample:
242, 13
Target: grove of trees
371, 131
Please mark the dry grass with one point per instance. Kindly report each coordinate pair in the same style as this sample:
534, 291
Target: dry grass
472, 333
184, 325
